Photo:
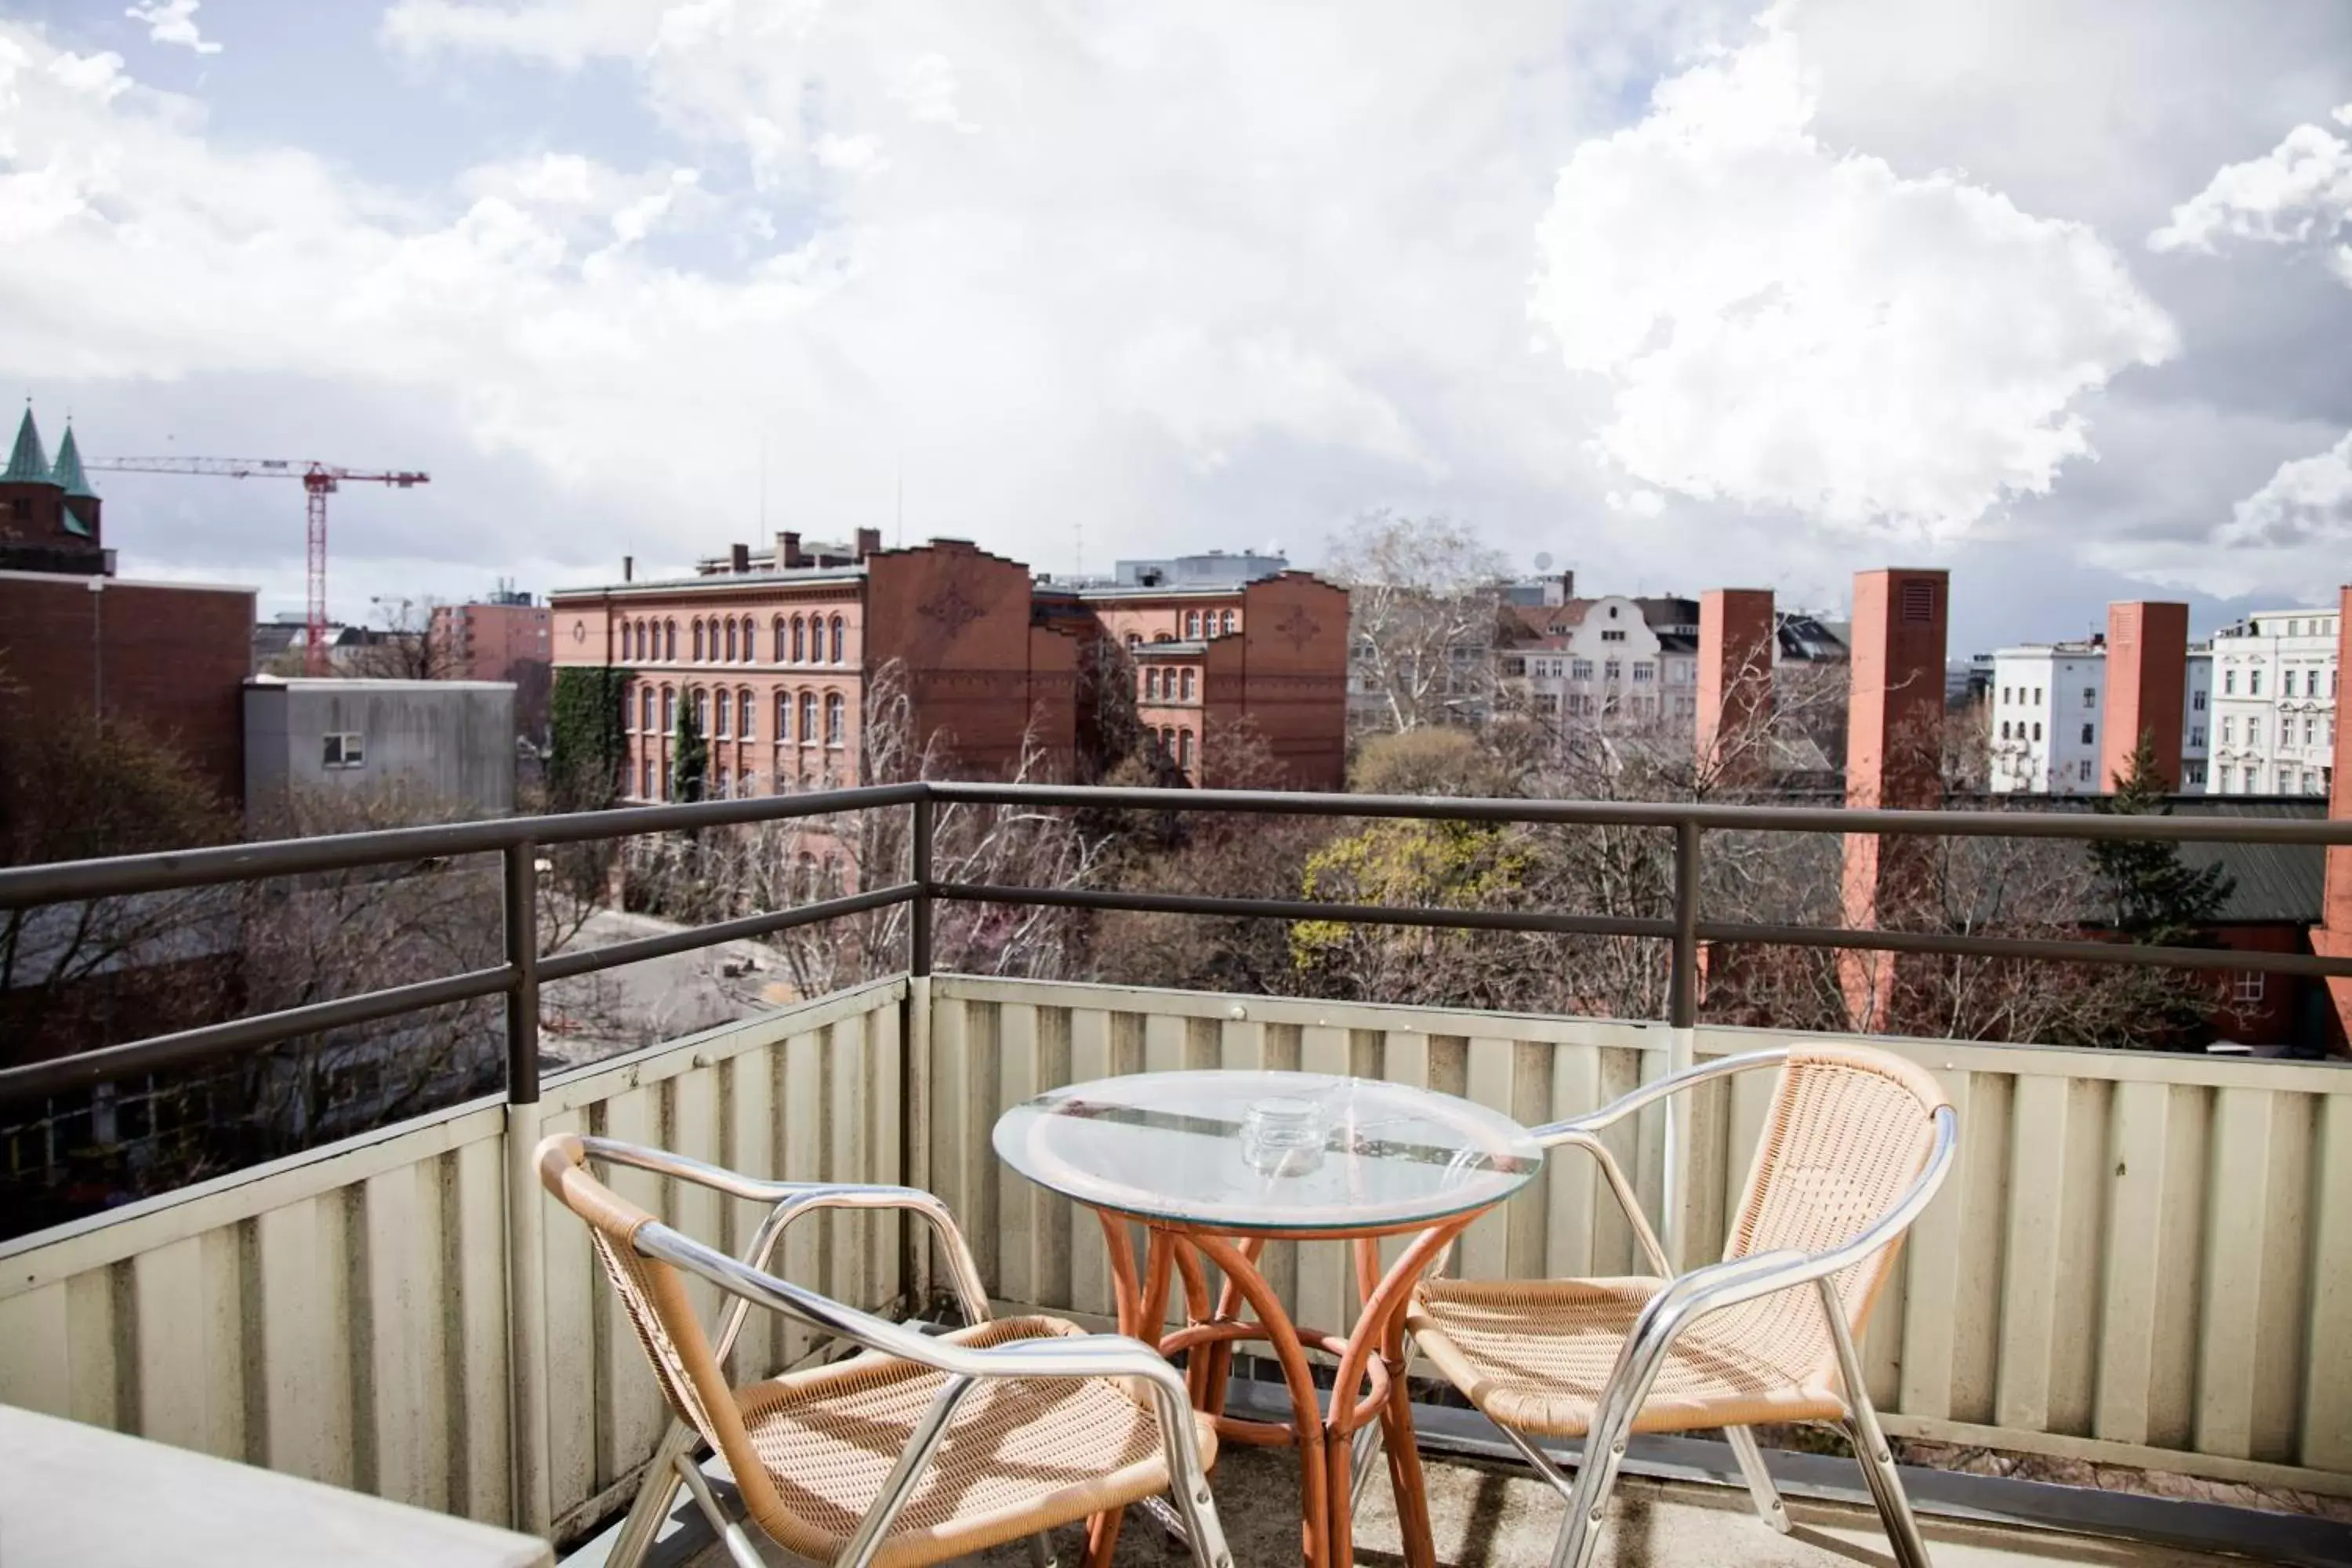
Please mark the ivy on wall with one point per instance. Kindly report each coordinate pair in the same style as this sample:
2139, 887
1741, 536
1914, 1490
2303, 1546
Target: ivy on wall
584, 768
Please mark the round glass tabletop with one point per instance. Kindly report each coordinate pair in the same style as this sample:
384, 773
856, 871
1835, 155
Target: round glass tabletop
1269, 1151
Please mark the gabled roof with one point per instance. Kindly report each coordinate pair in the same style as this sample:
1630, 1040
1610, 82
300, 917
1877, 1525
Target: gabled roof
28, 464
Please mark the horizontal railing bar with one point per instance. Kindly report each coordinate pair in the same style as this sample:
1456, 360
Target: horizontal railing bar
2054, 950
611, 955
2019, 824
21, 886
1300, 909
190, 1047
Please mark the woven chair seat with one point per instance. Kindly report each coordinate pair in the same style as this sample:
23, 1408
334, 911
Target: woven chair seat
1020, 1455
1536, 1354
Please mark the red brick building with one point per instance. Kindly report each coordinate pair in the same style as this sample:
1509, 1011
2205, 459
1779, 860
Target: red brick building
76, 642
779, 656
504, 638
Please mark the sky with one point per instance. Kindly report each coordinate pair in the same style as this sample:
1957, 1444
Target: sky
1679, 294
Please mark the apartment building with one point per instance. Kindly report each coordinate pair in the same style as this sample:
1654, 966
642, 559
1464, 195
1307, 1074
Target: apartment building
779, 655
2274, 703
505, 637
1628, 659
2049, 721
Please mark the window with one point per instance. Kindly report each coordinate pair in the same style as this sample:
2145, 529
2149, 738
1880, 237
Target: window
2229, 683
731, 641
2037, 729
1644, 671
1135, 639
726, 710
698, 642
808, 718
2311, 732
345, 749
2286, 684
1225, 622
2331, 683
800, 629
777, 631
839, 644
746, 727
702, 710
2087, 738
2004, 728
1187, 685
2083, 769
1612, 670
1546, 703
2197, 736
1192, 625
2253, 683
718, 791
2196, 702
1579, 670
1184, 749
2090, 696
669, 708
670, 642
646, 779
645, 701
2253, 732
1580, 704
2037, 696
1618, 636
783, 716
2310, 781
1152, 685
2246, 988
834, 712
2193, 774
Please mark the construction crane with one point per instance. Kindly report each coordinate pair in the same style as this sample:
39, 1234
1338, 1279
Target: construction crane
319, 480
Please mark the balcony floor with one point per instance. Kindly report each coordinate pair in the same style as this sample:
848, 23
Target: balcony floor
1501, 1517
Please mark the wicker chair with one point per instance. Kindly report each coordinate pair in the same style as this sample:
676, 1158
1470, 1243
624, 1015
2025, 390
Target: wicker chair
1856, 1143
918, 1450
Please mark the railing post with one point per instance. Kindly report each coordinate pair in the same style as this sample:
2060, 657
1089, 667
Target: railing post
1682, 1036
534, 1501
915, 1040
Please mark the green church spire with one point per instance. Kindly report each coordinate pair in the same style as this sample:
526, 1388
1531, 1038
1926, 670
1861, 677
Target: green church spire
66, 469
29, 464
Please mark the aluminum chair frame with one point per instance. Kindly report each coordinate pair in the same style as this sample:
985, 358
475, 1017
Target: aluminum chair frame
1710, 1288
747, 1284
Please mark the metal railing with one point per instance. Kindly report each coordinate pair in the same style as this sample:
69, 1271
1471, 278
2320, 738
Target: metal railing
518, 841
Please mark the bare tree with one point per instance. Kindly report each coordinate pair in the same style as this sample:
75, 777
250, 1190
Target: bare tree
1424, 603
402, 646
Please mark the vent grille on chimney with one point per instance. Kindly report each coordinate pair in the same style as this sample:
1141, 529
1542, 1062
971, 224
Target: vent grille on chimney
1918, 602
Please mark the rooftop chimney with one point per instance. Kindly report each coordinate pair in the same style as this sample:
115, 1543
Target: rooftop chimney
2148, 682
788, 552
629, 568
869, 543
1894, 761
739, 559
1734, 682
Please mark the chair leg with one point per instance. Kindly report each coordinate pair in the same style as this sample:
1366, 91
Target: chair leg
654, 1495
739, 1541
1760, 1479
1041, 1550
1604, 1451
1870, 1446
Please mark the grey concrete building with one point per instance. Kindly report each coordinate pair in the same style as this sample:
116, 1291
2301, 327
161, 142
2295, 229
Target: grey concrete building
451, 740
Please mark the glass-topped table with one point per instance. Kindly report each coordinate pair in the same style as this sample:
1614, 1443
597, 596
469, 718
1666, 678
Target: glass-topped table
1216, 1164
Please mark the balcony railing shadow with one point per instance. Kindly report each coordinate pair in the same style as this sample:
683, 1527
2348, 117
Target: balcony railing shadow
2141, 1260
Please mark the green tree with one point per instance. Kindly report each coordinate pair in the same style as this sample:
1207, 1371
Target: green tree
2153, 897
689, 756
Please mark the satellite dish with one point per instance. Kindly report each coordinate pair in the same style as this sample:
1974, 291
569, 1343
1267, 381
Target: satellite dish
1543, 561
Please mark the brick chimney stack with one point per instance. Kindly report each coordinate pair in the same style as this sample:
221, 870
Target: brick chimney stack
1894, 761
1734, 681
788, 552
739, 559
2333, 937
869, 542
2148, 684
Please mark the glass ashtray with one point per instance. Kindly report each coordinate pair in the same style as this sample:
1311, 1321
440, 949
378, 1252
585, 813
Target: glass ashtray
1283, 1137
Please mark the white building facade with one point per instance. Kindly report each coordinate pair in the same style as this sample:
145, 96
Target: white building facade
2274, 703
2049, 713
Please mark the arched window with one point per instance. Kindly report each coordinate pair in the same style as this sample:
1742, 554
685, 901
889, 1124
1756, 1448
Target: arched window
1187, 685
1191, 625
751, 639
783, 716
702, 710
646, 774
808, 718
1151, 685
779, 633
730, 639
669, 708
1225, 622
1183, 750
746, 719
645, 702
726, 711
670, 642
833, 712
1135, 639
697, 641
1162, 636
837, 643
799, 651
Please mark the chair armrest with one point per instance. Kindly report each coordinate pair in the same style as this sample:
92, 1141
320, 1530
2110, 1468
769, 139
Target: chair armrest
1650, 1094
1578, 1138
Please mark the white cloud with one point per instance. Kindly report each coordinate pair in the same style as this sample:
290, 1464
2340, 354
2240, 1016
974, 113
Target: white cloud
1785, 325
174, 22
2298, 193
